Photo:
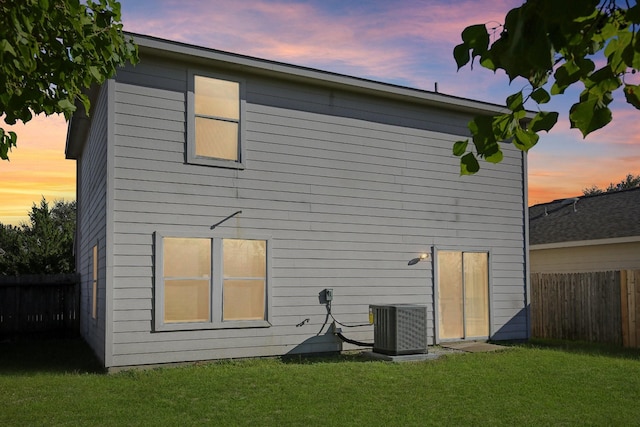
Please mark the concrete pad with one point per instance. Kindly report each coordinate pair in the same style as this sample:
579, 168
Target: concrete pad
473, 346
401, 358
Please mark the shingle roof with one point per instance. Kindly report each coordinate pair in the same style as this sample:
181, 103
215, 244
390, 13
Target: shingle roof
604, 216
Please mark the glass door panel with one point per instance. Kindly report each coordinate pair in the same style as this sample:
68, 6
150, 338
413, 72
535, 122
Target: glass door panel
476, 294
463, 294
450, 291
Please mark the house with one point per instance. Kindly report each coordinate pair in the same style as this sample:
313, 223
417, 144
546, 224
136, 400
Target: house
219, 195
586, 234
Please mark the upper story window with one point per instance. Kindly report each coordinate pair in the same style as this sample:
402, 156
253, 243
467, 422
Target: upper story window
215, 121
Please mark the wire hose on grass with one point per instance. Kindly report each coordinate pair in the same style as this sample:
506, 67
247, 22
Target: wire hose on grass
354, 342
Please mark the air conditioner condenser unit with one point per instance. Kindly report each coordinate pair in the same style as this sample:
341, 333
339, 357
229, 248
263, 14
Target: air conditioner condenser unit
399, 329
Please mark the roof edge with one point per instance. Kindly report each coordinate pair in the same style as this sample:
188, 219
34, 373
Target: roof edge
79, 125
578, 243
590, 196
264, 66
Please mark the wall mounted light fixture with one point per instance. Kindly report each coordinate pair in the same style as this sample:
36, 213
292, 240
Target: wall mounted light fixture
417, 260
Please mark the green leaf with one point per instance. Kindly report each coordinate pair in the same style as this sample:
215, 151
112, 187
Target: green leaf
515, 102
617, 51
4, 149
468, 164
460, 147
564, 76
632, 94
589, 115
86, 103
475, 38
602, 81
525, 140
7, 141
481, 128
541, 96
95, 73
496, 157
5, 47
66, 105
630, 57
544, 120
488, 63
633, 14
461, 55
570, 72
558, 41
50, 51
524, 49
503, 126
608, 30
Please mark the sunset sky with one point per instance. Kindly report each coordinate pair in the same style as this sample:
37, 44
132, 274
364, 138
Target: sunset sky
406, 42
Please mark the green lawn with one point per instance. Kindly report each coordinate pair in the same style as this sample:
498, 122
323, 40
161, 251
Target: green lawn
58, 383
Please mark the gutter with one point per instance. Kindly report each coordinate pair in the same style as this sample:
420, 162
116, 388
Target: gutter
579, 243
79, 125
190, 53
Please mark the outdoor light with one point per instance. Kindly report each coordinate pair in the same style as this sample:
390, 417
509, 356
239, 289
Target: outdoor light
417, 260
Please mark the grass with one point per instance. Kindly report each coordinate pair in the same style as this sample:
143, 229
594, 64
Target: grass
544, 383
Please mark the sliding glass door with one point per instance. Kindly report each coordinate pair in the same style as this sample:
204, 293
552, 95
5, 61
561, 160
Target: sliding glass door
463, 295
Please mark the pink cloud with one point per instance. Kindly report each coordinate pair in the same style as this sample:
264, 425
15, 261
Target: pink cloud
381, 40
409, 42
404, 41
623, 130
553, 176
37, 168
295, 32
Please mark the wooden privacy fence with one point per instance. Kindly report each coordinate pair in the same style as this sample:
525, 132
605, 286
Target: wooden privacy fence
39, 305
597, 307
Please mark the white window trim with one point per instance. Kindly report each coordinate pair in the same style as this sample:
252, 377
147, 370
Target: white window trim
216, 321
191, 156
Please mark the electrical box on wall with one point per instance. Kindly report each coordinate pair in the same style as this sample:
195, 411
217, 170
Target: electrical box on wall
328, 295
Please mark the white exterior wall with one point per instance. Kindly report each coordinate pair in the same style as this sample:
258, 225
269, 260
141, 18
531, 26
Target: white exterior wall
587, 258
350, 187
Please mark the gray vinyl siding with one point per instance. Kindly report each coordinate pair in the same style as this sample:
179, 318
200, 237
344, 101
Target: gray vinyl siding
92, 185
349, 186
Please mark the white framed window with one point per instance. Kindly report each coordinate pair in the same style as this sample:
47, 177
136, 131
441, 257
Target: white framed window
215, 120
211, 282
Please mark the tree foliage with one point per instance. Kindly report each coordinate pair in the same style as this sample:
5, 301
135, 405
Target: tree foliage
630, 181
44, 245
50, 51
552, 45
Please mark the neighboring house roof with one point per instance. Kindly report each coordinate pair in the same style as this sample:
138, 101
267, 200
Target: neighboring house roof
614, 215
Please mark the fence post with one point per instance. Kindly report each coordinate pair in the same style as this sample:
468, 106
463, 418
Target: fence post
632, 301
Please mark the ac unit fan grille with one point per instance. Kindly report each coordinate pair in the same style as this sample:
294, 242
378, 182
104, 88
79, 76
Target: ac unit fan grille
400, 329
